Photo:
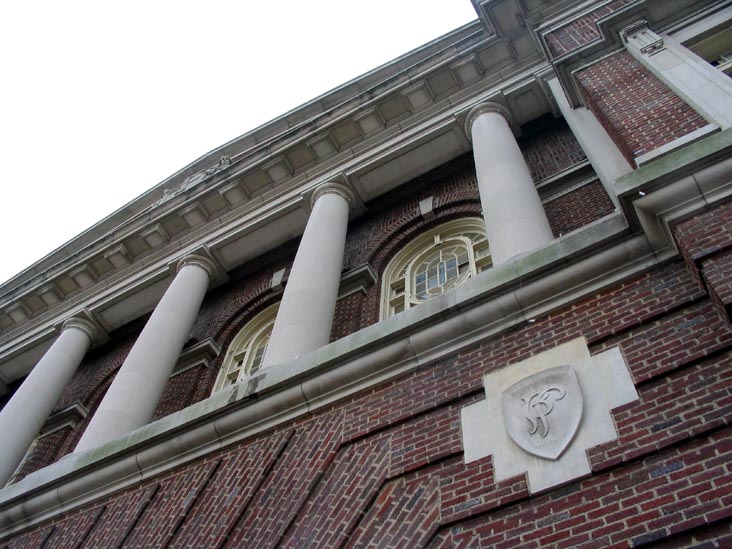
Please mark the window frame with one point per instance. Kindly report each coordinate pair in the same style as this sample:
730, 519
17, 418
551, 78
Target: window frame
242, 351
398, 291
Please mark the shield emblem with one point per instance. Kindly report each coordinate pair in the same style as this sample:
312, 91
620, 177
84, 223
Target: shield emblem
543, 411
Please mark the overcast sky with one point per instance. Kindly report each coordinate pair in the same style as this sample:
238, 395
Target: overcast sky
99, 101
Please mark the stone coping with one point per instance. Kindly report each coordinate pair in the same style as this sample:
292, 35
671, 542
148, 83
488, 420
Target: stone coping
683, 161
685, 181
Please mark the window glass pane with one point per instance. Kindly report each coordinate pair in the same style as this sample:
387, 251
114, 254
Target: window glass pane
452, 271
421, 286
432, 282
716, 49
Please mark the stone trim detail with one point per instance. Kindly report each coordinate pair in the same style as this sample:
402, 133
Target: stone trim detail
357, 280
69, 416
200, 354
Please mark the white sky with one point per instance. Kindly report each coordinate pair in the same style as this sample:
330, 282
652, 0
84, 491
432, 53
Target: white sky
100, 101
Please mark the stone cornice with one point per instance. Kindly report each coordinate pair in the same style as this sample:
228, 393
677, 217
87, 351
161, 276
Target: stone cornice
263, 143
280, 212
234, 182
298, 142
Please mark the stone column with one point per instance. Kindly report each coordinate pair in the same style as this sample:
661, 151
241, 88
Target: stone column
605, 157
305, 316
136, 390
23, 416
705, 89
515, 221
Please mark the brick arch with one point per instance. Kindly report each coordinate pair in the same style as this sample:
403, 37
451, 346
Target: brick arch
390, 245
240, 318
385, 250
225, 306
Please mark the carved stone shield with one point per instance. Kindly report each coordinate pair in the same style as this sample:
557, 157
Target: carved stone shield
543, 411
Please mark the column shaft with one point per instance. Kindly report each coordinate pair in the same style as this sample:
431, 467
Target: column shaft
305, 317
514, 216
605, 157
136, 390
23, 416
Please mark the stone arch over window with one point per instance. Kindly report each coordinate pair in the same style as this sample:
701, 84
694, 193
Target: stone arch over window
245, 353
434, 262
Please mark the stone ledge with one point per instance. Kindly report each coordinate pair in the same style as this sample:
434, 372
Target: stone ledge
672, 187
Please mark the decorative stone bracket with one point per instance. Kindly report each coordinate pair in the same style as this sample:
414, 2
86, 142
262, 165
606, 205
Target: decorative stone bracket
642, 37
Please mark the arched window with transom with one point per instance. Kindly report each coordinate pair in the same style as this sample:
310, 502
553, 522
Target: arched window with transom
434, 262
245, 354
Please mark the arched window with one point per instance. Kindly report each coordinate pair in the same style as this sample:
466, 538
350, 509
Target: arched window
433, 263
246, 352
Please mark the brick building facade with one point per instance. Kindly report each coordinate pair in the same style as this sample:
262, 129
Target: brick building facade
589, 144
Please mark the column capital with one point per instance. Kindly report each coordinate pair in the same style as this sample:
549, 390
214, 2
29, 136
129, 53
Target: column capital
85, 322
86, 326
334, 188
199, 261
483, 108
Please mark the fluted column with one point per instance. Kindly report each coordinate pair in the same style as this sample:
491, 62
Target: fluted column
515, 221
136, 390
23, 416
305, 315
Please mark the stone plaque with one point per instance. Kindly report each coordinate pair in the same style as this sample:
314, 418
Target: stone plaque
540, 416
542, 412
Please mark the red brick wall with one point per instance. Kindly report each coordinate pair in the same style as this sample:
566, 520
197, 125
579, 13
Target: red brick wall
717, 272
551, 151
581, 30
705, 242
373, 239
577, 208
385, 468
639, 112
